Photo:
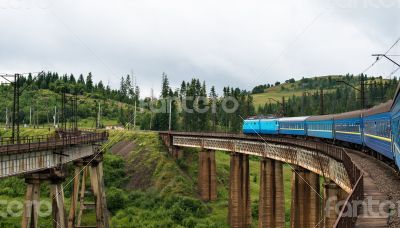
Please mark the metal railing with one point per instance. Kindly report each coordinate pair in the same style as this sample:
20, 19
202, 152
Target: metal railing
46, 142
348, 214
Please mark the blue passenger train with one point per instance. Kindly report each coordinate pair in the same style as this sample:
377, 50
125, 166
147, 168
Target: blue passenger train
376, 129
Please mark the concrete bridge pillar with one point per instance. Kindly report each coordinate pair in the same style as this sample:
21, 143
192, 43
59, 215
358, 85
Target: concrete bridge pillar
207, 175
331, 191
239, 195
271, 201
305, 206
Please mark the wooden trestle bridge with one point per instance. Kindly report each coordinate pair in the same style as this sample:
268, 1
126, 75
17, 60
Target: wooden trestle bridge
39, 159
43, 158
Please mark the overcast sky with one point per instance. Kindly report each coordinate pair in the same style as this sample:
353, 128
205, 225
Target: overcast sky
225, 42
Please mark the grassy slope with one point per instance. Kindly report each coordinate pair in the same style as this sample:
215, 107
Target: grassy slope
276, 92
293, 89
180, 177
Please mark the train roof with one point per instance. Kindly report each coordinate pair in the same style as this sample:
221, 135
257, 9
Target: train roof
381, 108
293, 119
348, 115
322, 117
396, 95
269, 119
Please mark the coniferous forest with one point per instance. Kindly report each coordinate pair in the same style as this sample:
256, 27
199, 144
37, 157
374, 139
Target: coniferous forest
195, 105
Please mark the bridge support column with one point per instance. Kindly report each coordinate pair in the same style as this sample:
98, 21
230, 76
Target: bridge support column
30, 216
271, 201
207, 175
94, 167
31, 206
314, 200
57, 196
239, 195
331, 191
176, 152
305, 207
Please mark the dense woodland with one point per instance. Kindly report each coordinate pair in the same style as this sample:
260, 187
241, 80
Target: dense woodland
41, 97
337, 97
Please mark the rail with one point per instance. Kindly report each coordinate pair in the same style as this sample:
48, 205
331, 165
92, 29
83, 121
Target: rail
48, 142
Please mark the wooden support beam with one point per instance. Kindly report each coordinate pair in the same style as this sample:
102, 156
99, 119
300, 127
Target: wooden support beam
31, 205
74, 196
94, 181
82, 196
58, 210
103, 195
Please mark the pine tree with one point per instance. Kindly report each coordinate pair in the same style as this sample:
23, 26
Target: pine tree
89, 83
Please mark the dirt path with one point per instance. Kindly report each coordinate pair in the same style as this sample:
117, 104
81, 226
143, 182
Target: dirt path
123, 148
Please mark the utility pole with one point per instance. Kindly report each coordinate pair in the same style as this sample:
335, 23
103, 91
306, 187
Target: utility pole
55, 117
282, 104
99, 116
30, 115
135, 97
170, 113
321, 100
6, 117
362, 91
15, 123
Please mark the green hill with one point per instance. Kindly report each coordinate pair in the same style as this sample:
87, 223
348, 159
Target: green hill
302, 97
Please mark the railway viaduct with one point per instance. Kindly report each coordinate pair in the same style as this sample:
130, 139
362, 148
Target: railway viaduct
39, 159
308, 160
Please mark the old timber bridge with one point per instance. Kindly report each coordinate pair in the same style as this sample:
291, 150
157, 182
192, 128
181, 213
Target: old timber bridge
43, 158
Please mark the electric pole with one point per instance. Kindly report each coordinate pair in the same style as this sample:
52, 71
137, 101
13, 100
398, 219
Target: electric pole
98, 116
6, 117
362, 91
321, 101
55, 117
30, 115
170, 113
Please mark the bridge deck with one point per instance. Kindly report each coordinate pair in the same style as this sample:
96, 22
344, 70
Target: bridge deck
379, 186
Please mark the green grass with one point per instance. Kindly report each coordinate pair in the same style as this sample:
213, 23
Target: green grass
276, 93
